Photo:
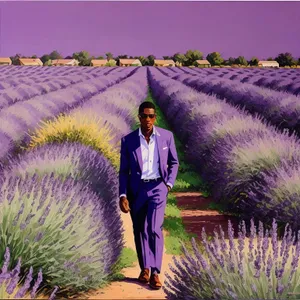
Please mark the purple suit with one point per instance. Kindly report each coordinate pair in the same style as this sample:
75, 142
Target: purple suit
147, 201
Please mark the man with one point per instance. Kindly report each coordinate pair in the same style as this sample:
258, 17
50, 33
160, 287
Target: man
148, 169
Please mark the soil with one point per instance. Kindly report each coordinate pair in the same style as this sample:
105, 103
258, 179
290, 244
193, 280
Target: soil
195, 215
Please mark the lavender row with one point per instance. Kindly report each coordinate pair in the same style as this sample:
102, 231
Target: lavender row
18, 119
275, 81
24, 92
16, 71
83, 164
278, 108
249, 165
14, 80
260, 71
261, 266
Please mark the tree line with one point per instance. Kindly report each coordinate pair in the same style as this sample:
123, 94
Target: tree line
183, 59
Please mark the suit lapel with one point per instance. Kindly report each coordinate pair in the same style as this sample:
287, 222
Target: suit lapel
159, 141
138, 150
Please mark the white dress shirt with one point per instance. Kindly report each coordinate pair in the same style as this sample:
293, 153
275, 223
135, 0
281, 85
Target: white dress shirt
150, 157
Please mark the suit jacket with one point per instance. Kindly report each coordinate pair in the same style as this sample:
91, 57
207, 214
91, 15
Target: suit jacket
131, 164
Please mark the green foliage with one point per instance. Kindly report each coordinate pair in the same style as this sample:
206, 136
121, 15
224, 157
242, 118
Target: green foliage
55, 55
111, 63
83, 57
220, 207
241, 60
109, 56
127, 259
192, 56
179, 57
254, 61
150, 60
215, 59
285, 59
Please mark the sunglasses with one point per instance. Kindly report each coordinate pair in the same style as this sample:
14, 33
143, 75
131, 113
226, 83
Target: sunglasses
144, 116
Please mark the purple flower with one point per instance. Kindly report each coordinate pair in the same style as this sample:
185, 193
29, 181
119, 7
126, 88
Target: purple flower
37, 284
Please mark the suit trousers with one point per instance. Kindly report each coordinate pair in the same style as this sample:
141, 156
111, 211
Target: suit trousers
147, 214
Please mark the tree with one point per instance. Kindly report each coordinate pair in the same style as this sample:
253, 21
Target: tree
34, 56
48, 63
298, 63
15, 59
270, 58
230, 61
215, 59
143, 60
45, 58
285, 59
241, 60
55, 55
111, 63
100, 57
254, 61
180, 58
83, 57
150, 59
109, 56
167, 57
192, 56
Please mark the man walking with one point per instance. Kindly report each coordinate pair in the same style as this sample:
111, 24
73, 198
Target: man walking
148, 169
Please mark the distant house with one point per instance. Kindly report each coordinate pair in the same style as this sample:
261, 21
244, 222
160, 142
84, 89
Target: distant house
126, 62
98, 62
164, 63
65, 62
268, 63
30, 62
5, 61
203, 63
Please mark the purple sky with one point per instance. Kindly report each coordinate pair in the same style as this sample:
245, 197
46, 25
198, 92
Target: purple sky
259, 29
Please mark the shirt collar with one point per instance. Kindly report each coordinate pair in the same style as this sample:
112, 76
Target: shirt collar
155, 132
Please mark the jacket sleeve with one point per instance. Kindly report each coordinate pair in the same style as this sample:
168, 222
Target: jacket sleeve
124, 168
173, 163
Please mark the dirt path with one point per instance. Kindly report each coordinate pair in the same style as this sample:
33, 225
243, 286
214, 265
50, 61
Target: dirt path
130, 288
195, 215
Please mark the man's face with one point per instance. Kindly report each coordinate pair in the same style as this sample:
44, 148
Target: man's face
147, 118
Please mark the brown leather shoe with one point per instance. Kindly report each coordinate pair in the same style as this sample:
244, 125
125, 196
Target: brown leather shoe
144, 276
154, 282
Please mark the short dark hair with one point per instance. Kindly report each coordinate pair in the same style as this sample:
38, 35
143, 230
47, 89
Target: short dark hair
146, 104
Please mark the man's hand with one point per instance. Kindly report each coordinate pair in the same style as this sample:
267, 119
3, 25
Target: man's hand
169, 188
124, 205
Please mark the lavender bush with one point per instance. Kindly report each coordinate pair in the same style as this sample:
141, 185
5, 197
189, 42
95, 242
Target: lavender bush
57, 226
84, 165
10, 286
256, 267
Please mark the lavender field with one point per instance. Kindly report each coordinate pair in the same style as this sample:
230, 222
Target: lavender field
60, 132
